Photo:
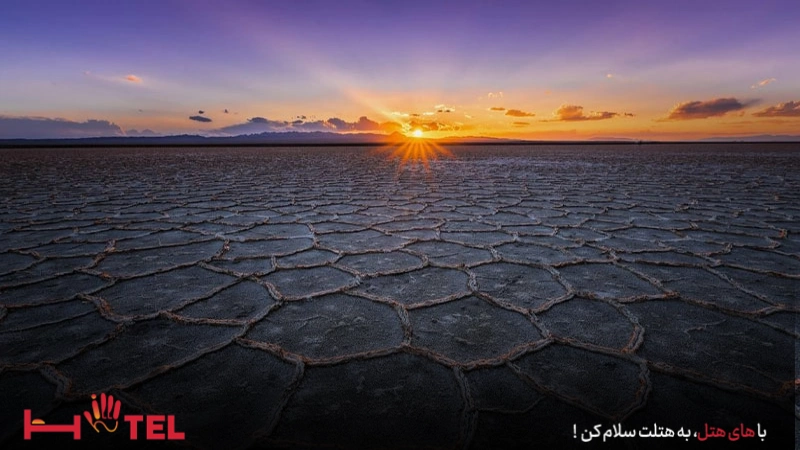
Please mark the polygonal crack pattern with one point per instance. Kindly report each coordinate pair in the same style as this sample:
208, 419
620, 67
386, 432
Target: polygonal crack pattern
163, 291
430, 284
520, 285
331, 326
470, 329
141, 350
259, 381
337, 297
393, 394
299, 283
606, 385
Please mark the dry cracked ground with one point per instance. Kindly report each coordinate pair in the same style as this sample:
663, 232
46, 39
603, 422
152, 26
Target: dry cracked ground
495, 297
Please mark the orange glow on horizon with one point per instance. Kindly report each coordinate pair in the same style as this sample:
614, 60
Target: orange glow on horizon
416, 152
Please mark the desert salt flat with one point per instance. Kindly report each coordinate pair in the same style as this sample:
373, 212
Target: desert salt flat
347, 297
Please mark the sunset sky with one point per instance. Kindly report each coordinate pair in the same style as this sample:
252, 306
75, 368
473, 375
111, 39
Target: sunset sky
540, 70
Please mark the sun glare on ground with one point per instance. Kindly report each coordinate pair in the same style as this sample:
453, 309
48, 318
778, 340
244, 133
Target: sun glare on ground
412, 153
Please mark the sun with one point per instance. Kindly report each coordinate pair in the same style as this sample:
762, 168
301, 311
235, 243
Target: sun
417, 133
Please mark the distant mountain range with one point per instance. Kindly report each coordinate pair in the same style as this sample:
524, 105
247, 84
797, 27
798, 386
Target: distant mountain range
321, 138
755, 138
751, 138
276, 138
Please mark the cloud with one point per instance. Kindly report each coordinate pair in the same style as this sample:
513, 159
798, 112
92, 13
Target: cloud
519, 113
424, 126
362, 124
495, 95
442, 108
365, 124
200, 119
788, 109
201, 112
115, 78
438, 126
225, 111
521, 124
574, 113
705, 109
339, 124
263, 120
317, 125
391, 127
143, 133
600, 115
257, 125
570, 112
497, 108
762, 83
46, 128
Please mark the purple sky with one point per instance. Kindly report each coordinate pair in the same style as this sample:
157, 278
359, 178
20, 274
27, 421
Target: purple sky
532, 69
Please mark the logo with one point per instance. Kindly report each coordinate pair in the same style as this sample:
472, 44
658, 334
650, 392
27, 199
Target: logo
103, 412
104, 416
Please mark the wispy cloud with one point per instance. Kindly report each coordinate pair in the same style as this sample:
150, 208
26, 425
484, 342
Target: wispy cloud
788, 109
200, 119
118, 79
762, 83
705, 109
521, 124
46, 128
519, 113
574, 113
497, 108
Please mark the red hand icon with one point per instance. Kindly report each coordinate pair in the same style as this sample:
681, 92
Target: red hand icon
107, 409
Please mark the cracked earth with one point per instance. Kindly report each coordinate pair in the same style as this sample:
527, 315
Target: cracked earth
344, 297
